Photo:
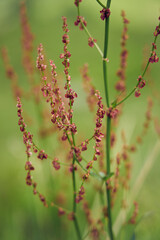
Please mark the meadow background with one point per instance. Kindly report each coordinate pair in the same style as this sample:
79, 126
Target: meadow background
22, 216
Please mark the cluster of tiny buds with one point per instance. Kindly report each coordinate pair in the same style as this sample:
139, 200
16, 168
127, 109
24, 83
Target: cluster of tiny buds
81, 22
141, 84
105, 13
42, 155
27, 139
80, 195
70, 94
77, 2
84, 145
112, 112
157, 30
29, 167
98, 135
154, 58
40, 58
56, 163
91, 41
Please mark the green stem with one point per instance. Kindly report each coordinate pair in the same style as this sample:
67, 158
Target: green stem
108, 193
101, 4
74, 201
108, 128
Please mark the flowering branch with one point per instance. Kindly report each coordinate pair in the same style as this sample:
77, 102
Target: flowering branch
83, 25
153, 58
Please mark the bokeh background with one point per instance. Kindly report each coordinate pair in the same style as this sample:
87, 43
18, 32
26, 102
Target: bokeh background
22, 216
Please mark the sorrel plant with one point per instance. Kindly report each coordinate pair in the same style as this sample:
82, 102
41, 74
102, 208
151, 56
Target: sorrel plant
113, 176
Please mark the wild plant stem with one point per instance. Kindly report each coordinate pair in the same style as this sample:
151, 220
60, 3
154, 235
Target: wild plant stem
74, 194
101, 4
74, 202
108, 128
108, 172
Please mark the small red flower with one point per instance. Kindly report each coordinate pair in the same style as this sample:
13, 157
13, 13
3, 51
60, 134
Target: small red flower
105, 13
56, 163
137, 93
91, 42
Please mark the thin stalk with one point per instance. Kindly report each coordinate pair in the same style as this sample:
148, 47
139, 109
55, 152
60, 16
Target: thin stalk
147, 65
74, 192
89, 35
101, 4
108, 172
108, 128
74, 203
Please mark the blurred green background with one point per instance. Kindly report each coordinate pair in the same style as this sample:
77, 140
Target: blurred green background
22, 216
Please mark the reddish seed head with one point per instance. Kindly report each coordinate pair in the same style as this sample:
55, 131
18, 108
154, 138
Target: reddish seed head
141, 81
29, 179
56, 163
61, 211
153, 58
112, 112
77, 2
137, 93
42, 155
29, 166
105, 13
91, 42
157, 31
80, 21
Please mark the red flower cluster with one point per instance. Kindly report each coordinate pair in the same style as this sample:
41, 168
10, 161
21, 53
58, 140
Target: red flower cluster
81, 22
91, 42
157, 31
80, 195
141, 84
42, 155
98, 135
51, 92
56, 163
153, 58
105, 13
40, 58
112, 112
77, 2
